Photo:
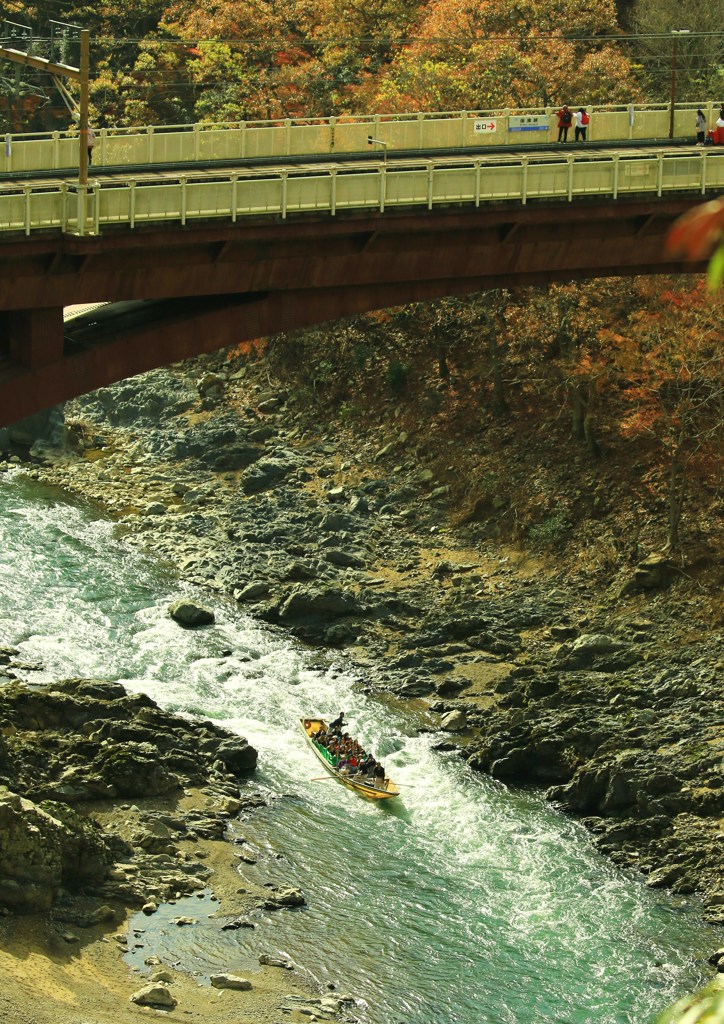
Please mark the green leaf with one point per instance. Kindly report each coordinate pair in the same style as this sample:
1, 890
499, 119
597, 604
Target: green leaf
715, 273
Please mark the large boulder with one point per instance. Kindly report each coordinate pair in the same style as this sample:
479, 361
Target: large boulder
40, 851
268, 472
155, 994
237, 755
30, 855
315, 603
135, 770
85, 856
189, 613
586, 650
653, 572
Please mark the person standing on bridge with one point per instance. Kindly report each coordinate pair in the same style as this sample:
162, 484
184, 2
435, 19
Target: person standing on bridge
582, 120
565, 118
700, 127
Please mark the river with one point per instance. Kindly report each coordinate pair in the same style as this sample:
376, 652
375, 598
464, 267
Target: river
467, 903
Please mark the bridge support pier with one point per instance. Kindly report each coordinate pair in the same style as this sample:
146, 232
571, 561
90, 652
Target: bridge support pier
33, 337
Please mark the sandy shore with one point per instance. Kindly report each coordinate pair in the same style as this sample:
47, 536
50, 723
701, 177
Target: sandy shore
54, 973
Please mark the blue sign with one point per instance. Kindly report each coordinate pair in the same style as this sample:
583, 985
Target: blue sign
528, 123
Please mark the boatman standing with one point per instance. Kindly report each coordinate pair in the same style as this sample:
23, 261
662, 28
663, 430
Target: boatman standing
336, 725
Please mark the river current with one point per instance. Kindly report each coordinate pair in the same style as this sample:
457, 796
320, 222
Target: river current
468, 903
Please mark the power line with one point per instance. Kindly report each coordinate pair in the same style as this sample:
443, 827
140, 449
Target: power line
405, 40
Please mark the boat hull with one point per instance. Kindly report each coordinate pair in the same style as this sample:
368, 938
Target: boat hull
311, 727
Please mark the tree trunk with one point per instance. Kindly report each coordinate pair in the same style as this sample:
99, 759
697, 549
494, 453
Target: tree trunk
677, 488
578, 411
499, 404
594, 448
589, 422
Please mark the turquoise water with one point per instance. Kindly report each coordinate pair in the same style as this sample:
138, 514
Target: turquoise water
466, 903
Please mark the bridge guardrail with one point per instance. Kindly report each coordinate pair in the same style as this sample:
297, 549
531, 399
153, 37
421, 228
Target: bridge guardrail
279, 192
116, 147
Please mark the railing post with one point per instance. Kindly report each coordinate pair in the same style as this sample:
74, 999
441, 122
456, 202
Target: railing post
614, 184
524, 183
197, 141
64, 206
149, 158
284, 195
132, 205
659, 172
242, 129
332, 122
703, 172
80, 210
477, 183
383, 187
96, 207
56, 149
234, 196
287, 136
28, 221
571, 164
183, 181
333, 193
430, 172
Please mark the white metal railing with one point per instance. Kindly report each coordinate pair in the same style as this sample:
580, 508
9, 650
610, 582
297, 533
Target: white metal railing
279, 192
253, 140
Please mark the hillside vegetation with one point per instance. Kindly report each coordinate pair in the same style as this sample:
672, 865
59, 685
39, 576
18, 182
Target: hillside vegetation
581, 420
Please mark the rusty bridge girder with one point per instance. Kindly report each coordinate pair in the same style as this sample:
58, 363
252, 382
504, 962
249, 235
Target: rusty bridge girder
234, 282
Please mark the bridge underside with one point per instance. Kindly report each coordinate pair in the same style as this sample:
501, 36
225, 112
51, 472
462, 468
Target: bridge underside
207, 286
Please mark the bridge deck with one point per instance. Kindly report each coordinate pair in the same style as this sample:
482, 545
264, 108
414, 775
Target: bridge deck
210, 169
565, 173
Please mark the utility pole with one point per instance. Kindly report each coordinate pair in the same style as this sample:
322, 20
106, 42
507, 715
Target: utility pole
80, 74
675, 32
84, 93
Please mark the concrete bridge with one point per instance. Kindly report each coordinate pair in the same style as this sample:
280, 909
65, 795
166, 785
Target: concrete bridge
192, 264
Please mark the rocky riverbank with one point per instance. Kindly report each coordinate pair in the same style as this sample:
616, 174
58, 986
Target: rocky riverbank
108, 806
605, 692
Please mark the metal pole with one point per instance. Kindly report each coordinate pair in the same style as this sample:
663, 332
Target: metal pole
673, 87
84, 91
675, 33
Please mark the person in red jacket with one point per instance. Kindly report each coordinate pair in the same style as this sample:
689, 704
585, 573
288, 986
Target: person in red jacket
565, 118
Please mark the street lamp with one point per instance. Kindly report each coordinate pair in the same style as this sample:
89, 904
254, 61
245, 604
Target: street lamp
675, 33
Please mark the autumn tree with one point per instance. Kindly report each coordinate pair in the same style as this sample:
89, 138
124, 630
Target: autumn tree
566, 323
699, 70
673, 359
475, 54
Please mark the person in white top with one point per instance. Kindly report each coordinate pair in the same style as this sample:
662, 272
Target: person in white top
581, 121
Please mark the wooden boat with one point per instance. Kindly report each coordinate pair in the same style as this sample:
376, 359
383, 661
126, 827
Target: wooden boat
311, 727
